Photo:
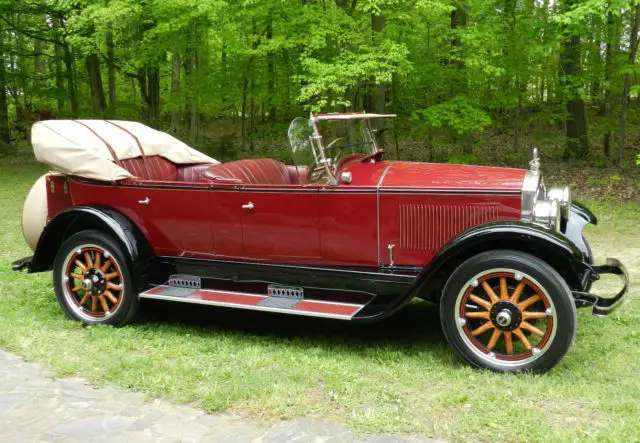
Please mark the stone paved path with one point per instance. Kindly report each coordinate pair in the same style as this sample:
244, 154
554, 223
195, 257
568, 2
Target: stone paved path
35, 407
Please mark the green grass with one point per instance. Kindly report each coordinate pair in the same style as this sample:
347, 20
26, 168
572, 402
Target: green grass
394, 376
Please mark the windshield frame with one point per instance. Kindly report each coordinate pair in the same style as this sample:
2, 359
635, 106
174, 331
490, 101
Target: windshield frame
317, 143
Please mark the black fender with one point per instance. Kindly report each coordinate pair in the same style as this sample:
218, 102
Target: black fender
557, 249
107, 220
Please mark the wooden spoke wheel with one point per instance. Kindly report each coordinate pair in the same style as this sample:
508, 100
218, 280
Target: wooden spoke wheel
92, 280
506, 315
508, 311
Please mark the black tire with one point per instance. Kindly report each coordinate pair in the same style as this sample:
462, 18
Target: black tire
472, 318
105, 271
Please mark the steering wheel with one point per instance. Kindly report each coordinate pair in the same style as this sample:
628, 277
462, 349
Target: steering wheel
333, 142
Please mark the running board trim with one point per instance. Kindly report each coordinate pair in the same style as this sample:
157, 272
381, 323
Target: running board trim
258, 302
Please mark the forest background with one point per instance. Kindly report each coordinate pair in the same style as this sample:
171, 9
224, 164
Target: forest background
472, 81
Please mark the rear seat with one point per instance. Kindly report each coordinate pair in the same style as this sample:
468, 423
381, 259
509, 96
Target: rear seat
261, 171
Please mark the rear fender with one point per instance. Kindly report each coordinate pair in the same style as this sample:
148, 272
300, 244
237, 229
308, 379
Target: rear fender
550, 246
80, 218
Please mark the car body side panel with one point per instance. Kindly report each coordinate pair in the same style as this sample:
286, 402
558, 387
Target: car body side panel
417, 225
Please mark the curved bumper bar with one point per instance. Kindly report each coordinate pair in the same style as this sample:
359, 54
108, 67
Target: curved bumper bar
603, 306
19, 265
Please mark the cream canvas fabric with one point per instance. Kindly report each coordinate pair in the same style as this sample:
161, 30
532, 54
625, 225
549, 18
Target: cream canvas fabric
79, 147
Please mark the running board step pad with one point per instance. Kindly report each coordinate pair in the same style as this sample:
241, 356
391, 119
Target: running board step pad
256, 302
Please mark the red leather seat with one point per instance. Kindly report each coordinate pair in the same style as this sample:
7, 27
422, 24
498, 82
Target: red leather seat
260, 171
193, 173
152, 167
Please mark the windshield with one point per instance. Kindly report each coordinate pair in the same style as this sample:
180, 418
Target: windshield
345, 137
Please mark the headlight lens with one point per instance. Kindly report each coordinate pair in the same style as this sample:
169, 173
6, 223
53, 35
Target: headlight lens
547, 213
563, 195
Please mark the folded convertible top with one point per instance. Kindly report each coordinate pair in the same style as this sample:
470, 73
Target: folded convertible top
93, 148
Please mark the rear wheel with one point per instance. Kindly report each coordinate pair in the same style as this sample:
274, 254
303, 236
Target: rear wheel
93, 281
509, 312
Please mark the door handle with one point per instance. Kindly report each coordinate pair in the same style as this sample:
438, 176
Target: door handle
248, 206
146, 201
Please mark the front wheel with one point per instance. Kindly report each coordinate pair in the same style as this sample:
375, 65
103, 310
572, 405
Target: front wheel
508, 311
93, 281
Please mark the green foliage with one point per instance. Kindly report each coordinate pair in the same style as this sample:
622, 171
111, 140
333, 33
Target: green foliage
456, 114
463, 159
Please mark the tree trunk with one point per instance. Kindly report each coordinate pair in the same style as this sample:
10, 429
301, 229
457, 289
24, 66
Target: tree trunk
71, 83
271, 71
633, 49
378, 96
608, 74
95, 83
39, 66
111, 73
5, 135
577, 144
175, 91
59, 76
153, 87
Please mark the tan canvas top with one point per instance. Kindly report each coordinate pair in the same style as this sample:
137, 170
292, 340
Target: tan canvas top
92, 148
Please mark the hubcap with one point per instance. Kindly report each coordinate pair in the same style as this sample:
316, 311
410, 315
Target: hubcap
505, 316
93, 282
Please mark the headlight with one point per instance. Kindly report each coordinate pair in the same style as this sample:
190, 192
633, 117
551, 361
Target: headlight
547, 213
563, 195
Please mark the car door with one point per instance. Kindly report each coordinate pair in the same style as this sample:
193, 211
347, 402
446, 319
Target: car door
280, 222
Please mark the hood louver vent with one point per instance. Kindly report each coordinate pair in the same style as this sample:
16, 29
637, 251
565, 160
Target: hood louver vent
428, 227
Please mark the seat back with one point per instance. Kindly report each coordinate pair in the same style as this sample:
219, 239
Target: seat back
152, 167
260, 171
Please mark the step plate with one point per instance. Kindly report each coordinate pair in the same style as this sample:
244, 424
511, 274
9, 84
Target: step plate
257, 302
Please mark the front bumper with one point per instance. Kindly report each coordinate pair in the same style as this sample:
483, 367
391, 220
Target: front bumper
603, 306
19, 265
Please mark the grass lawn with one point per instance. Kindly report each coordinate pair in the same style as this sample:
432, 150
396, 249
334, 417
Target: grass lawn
395, 376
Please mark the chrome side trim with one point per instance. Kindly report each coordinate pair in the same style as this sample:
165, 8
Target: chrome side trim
530, 186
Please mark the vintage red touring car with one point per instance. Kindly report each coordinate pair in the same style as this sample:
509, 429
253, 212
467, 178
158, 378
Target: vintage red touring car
131, 213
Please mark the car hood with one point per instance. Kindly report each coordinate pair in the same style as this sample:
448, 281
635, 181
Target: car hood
437, 176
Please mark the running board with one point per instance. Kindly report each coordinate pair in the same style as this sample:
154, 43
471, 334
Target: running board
255, 302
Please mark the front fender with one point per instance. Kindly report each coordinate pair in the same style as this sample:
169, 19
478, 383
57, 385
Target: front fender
79, 218
555, 248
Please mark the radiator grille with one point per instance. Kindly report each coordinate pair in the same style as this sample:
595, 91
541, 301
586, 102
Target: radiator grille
428, 227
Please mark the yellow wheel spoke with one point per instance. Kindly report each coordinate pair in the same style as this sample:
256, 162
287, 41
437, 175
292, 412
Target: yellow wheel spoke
529, 327
515, 297
494, 339
483, 314
492, 295
77, 276
508, 343
533, 315
94, 303
480, 301
111, 276
111, 297
85, 298
103, 302
106, 265
504, 293
485, 327
113, 286
518, 333
77, 288
87, 259
81, 265
98, 261
523, 305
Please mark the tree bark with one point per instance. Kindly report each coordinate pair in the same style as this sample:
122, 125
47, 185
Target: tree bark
111, 73
59, 76
5, 134
633, 49
378, 96
153, 85
175, 91
271, 82
577, 143
95, 84
608, 78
